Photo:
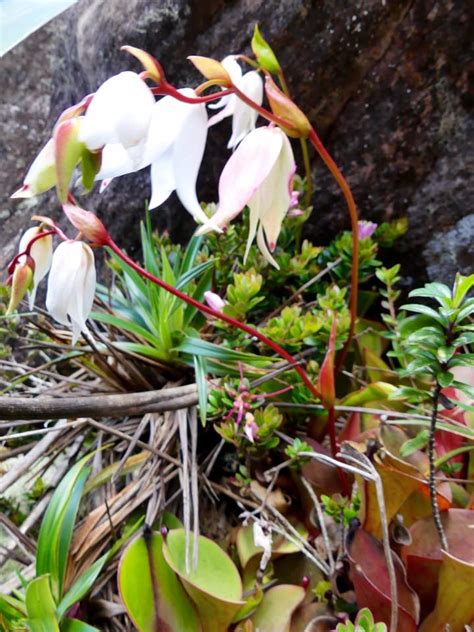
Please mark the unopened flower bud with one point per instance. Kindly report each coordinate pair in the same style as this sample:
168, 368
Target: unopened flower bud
41, 176
283, 107
211, 69
21, 281
41, 252
87, 223
214, 301
366, 229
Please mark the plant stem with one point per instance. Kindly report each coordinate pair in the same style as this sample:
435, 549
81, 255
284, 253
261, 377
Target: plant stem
346, 191
216, 314
431, 451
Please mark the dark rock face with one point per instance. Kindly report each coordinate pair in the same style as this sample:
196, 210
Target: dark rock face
385, 83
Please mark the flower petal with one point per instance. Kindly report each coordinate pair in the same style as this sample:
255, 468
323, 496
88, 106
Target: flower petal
245, 117
278, 195
245, 171
162, 179
264, 248
119, 112
188, 150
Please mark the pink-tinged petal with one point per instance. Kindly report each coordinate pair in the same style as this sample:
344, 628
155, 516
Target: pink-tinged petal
162, 179
105, 184
366, 229
278, 196
188, 150
214, 300
245, 117
245, 171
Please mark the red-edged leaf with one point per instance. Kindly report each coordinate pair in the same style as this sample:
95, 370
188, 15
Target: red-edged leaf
326, 375
372, 584
352, 428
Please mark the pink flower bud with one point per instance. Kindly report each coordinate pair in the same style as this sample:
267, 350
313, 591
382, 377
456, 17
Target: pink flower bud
214, 301
366, 229
88, 223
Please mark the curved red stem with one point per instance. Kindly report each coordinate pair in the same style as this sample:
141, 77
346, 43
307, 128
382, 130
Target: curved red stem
346, 191
221, 316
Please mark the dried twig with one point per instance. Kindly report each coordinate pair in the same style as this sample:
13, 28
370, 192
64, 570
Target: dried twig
116, 405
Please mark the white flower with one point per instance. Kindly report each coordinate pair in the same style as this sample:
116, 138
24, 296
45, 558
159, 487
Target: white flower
71, 285
262, 537
174, 148
41, 176
120, 112
258, 174
41, 252
243, 116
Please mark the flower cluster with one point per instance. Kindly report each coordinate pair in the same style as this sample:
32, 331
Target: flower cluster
123, 128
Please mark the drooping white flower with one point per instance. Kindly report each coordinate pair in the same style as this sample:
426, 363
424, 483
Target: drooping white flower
174, 148
120, 113
71, 285
41, 252
243, 116
41, 175
258, 174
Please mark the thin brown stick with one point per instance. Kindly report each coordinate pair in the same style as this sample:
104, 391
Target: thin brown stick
98, 406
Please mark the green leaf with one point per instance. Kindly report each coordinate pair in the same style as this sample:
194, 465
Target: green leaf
214, 584
57, 526
445, 378
426, 311
417, 443
81, 586
465, 388
462, 286
263, 52
434, 290
196, 346
277, 607
126, 325
462, 359
465, 311
40, 606
200, 370
163, 606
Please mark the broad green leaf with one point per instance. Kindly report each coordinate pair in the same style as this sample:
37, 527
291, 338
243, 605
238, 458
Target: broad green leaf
462, 359
163, 606
434, 290
426, 311
462, 286
263, 52
214, 585
40, 606
277, 607
57, 526
81, 586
